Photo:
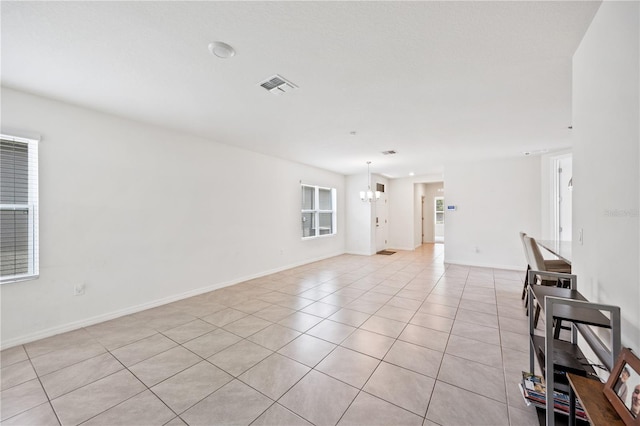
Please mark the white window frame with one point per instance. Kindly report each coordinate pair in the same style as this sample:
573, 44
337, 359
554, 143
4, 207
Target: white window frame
317, 211
32, 208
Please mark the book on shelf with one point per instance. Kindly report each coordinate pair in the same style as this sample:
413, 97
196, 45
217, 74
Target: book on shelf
534, 392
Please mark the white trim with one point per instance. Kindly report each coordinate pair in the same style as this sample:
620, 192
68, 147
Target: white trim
159, 302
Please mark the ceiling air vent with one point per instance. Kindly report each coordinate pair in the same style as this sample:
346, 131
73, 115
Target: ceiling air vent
278, 85
390, 152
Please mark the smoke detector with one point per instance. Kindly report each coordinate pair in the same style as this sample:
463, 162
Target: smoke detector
277, 85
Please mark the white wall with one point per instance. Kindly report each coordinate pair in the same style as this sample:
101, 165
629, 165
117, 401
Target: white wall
606, 139
143, 215
360, 237
495, 200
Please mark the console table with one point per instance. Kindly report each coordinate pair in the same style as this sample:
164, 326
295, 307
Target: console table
558, 357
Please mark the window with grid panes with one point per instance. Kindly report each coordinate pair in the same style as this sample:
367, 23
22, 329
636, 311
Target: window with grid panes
318, 211
18, 209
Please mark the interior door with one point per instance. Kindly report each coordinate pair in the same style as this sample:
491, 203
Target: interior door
381, 212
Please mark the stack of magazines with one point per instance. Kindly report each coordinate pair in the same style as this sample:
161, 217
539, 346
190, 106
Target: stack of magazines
534, 392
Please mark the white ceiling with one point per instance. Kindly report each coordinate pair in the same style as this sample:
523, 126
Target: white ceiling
431, 80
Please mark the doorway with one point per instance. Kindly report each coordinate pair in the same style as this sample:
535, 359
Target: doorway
562, 191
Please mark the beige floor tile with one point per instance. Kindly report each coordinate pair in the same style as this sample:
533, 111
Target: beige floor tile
212, 342
84, 403
473, 305
224, 317
274, 337
478, 332
247, 326
20, 398
515, 341
12, 355
233, 404
434, 322
157, 368
514, 325
81, 374
348, 366
368, 343
143, 349
384, 326
59, 342
251, 306
472, 376
440, 310
176, 421
170, 320
365, 306
274, 313
371, 411
188, 331
320, 309
278, 415
401, 387
394, 313
337, 300
300, 321
58, 359
190, 386
451, 405
429, 338
274, 375
122, 336
489, 320
372, 296
349, 317
523, 417
41, 415
238, 358
416, 358
443, 300
404, 303
331, 331
319, 398
307, 350
474, 350
143, 409
15, 374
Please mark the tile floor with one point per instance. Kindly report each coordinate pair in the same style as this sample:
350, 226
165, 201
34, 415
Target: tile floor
380, 340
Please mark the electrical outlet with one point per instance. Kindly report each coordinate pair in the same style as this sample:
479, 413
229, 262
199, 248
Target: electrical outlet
78, 289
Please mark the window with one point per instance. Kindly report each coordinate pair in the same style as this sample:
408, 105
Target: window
318, 211
18, 209
439, 210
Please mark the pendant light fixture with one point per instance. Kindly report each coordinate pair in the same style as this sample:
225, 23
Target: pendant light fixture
369, 195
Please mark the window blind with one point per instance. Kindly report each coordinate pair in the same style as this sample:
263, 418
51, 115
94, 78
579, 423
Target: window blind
18, 208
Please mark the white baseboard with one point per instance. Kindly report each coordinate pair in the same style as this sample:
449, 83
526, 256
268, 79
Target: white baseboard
52, 331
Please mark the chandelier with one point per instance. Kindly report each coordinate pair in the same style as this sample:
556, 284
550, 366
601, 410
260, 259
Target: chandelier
369, 195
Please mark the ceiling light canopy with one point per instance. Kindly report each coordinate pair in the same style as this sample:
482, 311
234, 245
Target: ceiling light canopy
221, 49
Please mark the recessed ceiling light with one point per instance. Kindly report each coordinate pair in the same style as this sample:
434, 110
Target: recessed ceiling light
411, 174
221, 50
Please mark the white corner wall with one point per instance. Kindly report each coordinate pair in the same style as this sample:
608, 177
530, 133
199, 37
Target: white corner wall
402, 210
606, 160
495, 201
359, 218
143, 216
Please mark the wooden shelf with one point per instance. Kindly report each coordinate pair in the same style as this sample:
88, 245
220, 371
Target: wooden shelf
599, 410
